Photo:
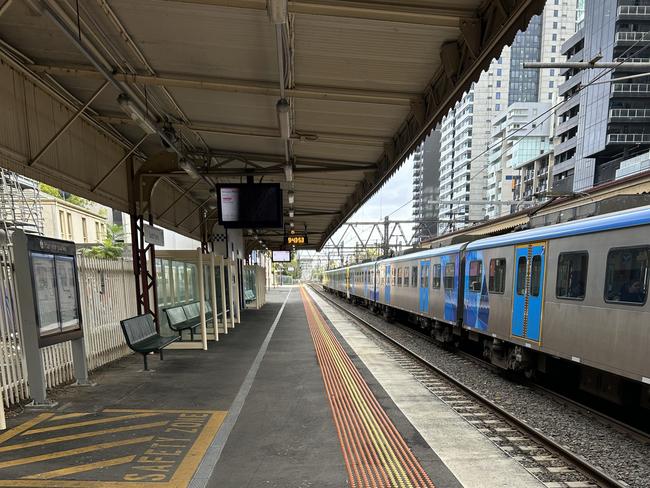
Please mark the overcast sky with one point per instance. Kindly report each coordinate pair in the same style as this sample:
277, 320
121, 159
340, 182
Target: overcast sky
397, 192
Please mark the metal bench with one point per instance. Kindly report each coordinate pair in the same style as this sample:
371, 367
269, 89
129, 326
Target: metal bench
141, 336
249, 296
187, 317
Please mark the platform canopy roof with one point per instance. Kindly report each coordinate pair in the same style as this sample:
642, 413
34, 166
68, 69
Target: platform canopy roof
365, 82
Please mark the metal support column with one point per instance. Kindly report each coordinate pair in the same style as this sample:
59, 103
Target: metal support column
144, 254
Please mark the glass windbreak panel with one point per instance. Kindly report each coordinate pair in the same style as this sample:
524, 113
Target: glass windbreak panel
535, 276
450, 271
67, 292
163, 285
572, 275
227, 281
414, 276
179, 281
207, 283
521, 275
192, 282
626, 279
217, 270
435, 276
45, 290
475, 275
497, 279
249, 284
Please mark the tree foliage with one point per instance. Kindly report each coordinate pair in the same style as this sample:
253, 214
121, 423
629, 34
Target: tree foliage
111, 247
68, 197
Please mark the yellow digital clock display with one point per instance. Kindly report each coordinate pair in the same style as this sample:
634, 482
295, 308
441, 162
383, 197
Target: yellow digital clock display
296, 240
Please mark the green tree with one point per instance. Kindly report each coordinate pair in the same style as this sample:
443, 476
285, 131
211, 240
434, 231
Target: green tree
68, 197
50, 190
111, 247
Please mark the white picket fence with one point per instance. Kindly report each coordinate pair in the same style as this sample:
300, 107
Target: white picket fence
107, 291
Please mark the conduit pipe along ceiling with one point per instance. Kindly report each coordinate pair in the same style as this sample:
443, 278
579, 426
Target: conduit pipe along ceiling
323, 96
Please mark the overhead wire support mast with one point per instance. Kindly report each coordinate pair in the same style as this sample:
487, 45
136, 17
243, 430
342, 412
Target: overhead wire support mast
587, 65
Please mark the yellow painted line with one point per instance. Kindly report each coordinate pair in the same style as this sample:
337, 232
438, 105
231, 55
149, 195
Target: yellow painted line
82, 468
83, 484
82, 435
66, 416
23, 427
89, 422
376, 434
73, 452
383, 447
185, 471
145, 410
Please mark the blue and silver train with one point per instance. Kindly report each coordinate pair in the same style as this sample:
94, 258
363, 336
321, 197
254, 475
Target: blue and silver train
572, 293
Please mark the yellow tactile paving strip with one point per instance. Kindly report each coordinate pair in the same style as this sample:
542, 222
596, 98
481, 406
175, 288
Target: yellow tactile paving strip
375, 453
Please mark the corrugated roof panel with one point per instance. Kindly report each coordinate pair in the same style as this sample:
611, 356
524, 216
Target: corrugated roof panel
205, 40
367, 54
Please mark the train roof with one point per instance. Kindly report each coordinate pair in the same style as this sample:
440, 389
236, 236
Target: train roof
600, 223
426, 253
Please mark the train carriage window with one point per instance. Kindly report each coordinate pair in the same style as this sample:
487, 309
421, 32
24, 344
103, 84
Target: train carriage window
521, 275
497, 276
414, 276
450, 272
399, 276
475, 275
572, 275
435, 277
626, 277
535, 275
406, 276
393, 277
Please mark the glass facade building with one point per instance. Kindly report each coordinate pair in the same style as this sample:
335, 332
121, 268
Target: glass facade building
527, 46
603, 123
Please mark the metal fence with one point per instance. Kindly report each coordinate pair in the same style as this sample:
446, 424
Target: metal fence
107, 292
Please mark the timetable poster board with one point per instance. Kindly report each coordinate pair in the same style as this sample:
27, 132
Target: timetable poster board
67, 292
55, 290
45, 290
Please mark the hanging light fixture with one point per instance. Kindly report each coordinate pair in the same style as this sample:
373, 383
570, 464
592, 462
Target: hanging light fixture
133, 111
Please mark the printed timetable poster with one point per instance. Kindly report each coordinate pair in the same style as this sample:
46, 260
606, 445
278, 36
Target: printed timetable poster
55, 287
45, 288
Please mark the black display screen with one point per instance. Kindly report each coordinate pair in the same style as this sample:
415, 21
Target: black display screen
250, 205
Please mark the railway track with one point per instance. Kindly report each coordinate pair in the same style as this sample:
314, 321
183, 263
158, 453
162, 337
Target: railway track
552, 463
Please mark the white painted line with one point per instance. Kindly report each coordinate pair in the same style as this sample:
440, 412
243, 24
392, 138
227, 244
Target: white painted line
213, 453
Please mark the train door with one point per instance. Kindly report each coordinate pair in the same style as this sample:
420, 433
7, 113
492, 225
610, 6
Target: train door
528, 302
425, 267
347, 282
387, 286
366, 278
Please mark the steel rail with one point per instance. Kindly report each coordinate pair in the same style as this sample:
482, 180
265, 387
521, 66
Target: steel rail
610, 421
588, 469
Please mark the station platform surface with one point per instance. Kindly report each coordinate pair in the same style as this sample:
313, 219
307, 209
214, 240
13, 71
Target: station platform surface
294, 396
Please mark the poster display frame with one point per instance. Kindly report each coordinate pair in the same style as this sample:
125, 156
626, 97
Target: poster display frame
38, 246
